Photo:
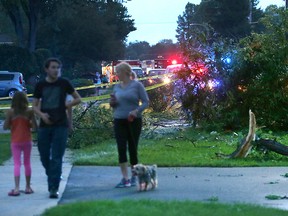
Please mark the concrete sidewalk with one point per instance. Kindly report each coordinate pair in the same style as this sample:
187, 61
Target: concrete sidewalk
32, 204
228, 185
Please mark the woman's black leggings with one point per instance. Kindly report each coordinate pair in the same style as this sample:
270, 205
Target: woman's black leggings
127, 132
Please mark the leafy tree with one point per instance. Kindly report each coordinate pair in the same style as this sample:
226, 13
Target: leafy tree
13, 9
5, 25
228, 18
208, 40
77, 31
142, 50
255, 79
261, 73
99, 31
137, 50
165, 48
34, 8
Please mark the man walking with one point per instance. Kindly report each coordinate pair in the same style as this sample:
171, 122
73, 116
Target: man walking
50, 105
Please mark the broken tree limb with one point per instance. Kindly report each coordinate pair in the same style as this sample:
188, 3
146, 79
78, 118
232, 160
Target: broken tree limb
272, 145
243, 150
245, 147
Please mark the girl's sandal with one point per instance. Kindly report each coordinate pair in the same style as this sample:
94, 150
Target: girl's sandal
13, 193
29, 191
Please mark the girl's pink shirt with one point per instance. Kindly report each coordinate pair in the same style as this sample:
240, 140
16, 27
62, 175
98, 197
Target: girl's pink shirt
20, 130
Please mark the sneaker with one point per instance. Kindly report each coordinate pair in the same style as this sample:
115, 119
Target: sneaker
54, 194
133, 181
123, 183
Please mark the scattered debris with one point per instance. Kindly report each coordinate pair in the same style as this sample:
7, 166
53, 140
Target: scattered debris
275, 197
213, 133
276, 182
237, 175
285, 175
213, 199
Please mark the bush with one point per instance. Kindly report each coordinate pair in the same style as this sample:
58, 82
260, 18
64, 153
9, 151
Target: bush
84, 65
84, 82
161, 98
30, 89
40, 56
13, 58
92, 125
260, 73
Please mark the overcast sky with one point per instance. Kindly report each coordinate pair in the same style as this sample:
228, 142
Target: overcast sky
157, 19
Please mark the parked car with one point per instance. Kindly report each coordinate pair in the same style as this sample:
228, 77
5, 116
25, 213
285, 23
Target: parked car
10, 82
154, 72
139, 72
173, 68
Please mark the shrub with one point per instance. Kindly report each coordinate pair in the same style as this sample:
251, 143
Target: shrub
40, 56
30, 89
92, 124
13, 58
161, 98
84, 65
84, 82
260, 73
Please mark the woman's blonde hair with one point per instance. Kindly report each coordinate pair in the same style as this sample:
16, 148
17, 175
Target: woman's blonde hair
133, 75
124, 67
19, 103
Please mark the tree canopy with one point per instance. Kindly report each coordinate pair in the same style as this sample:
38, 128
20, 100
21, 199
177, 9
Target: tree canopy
229, 73
142, 50
74, 30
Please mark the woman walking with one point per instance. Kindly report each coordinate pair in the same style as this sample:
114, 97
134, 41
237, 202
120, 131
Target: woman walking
125, 101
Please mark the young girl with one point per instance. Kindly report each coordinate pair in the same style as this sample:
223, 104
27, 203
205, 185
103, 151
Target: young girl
20, 119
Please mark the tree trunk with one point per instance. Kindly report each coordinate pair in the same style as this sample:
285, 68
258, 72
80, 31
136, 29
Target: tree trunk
34, 9
14, 14
273, 145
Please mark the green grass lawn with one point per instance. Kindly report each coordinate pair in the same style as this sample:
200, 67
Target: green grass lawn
158, 208
5, 151
189, 148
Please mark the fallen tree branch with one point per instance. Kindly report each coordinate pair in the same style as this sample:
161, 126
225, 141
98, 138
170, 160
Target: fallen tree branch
244, 149
272, 145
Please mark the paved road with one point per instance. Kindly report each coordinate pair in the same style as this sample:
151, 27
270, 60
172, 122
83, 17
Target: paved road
229, 185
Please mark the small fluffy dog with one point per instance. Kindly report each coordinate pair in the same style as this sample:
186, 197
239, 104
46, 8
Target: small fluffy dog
146, 175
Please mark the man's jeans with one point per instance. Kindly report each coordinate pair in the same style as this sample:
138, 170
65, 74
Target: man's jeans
51, 145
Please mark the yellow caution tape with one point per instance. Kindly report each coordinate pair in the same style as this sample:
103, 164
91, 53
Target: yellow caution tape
94, 98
